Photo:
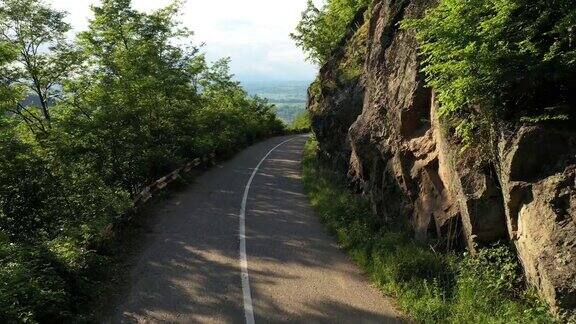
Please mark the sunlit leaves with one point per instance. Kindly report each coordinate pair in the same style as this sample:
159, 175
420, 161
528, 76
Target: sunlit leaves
321, 29
498, 58
43, 58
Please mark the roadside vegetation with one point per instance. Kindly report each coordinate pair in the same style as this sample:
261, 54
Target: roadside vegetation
111, 111
321, 29
430, 286
301, 123
493, 61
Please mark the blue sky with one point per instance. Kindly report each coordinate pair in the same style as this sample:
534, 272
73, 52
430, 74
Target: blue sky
253, 33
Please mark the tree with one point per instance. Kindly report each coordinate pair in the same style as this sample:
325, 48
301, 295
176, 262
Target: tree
136, 98
321, 29
9, 96
44, 57
490, 60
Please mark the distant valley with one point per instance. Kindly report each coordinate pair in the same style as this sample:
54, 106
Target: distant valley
289, 97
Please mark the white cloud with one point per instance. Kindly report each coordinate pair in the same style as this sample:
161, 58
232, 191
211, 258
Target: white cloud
254, 33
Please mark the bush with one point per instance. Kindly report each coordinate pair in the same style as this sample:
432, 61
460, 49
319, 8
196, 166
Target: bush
321, 29
31, 286
499, 59
301, 123
431, 287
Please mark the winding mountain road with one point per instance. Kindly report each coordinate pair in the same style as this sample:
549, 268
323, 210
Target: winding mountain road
200, 267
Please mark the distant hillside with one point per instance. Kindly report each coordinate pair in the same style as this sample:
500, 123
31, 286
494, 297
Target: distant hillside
289, 97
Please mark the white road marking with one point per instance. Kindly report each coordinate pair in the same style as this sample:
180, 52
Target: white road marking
248, 308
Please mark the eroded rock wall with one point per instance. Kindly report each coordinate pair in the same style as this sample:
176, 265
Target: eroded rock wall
537, 167
381, 128
335, 99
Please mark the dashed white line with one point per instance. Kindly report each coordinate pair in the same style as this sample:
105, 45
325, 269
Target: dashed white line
248, 308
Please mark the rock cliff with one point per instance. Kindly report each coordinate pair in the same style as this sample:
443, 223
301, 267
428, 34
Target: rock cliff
377, 122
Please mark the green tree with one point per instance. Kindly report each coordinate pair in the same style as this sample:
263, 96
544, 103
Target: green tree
302, 123
9, 95
321, 29
226, 107
44, 57
137, 90
499, 59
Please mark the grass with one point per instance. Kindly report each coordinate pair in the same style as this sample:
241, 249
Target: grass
430, 287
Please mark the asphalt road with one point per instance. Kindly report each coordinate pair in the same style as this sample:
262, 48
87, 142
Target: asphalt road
191, 270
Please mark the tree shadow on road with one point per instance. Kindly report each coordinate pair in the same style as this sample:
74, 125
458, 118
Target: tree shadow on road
189, 272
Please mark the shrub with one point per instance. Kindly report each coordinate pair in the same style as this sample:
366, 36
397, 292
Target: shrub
31, 288
498, 59
301, 123
321, 29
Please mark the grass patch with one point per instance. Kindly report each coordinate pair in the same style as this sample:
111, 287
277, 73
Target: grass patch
429, 286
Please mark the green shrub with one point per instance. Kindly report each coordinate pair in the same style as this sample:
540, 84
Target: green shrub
498, 59
301, 123
32, 289
321, 29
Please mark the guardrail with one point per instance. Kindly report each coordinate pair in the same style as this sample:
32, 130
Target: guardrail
148, 192
144, 196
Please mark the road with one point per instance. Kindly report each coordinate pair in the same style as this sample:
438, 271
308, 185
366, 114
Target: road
192, 270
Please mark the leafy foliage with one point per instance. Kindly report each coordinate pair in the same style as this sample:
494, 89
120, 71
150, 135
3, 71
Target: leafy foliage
118, 108
44, 57
431, 287
494, 59
321, 29
32, 288
302, 123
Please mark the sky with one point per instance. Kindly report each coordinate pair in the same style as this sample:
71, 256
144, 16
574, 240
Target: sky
253, 33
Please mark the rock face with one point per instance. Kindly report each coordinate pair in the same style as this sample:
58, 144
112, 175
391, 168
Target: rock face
335, 99
381, 129
538, 172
